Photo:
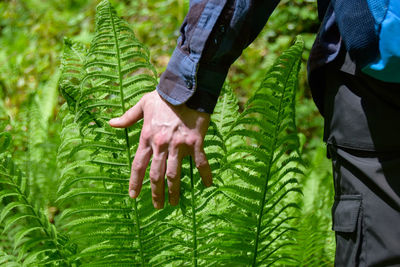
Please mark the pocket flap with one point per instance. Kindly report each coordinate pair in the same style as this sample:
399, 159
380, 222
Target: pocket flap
345, 213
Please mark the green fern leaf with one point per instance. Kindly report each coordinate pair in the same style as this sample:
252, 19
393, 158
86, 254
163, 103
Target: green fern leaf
28, 222
266, 175
96, 159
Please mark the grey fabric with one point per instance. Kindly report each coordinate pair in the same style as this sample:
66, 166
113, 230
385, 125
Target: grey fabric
362, 130
366, 212
345, 213
360, 112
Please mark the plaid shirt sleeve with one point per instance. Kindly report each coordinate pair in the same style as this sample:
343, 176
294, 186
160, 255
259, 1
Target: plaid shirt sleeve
213, 35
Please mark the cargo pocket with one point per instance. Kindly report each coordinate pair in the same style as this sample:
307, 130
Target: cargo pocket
347, 224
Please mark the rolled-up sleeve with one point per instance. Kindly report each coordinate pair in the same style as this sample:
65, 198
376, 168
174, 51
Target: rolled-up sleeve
213, 35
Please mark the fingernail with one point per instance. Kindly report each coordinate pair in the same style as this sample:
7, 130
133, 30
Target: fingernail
132, 193
115, 120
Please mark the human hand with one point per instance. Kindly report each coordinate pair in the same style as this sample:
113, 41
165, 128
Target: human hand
168, 132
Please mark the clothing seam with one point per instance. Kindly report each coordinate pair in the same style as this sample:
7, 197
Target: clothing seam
362, 148
349, 197
363, 255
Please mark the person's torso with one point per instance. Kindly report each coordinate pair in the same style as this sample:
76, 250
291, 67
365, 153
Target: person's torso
360, 112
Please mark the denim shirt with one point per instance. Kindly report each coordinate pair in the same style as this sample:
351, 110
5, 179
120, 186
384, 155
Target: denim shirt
214, 34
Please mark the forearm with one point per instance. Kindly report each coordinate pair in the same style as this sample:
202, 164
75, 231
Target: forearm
213, 36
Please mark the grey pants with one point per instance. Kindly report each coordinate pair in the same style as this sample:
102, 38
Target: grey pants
362, 129
366, 211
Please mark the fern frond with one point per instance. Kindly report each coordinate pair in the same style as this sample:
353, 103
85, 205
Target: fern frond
263, 172
226, 111
30, 221
315, 242
71, 72
96, 159
116, 67
8, 260
38, 163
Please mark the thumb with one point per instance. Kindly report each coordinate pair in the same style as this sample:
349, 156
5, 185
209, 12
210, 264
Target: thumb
130, 117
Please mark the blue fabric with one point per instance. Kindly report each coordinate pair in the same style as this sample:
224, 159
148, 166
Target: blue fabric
213, 35
371, 32
357, 27
178, 83
215, 32
386, 67
378, 9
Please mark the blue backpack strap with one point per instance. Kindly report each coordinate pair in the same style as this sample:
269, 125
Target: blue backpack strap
357, 27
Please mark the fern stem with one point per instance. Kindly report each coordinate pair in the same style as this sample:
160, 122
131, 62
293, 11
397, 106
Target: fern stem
261, 211
273, 147
137, 224
194, 225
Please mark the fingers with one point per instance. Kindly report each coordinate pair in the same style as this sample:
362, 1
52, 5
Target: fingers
174, 166
202, 165
157, 176
167, 132
159, 169
139, 166
130, 117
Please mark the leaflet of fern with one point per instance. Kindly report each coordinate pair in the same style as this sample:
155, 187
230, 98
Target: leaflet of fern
71, 72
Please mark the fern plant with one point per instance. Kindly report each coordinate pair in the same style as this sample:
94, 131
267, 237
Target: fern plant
41, 150
101, 217
315, 242
263, 169
245, 219
256, 162
35, 241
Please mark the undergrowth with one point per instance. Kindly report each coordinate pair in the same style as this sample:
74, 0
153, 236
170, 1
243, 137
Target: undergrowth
249, 217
